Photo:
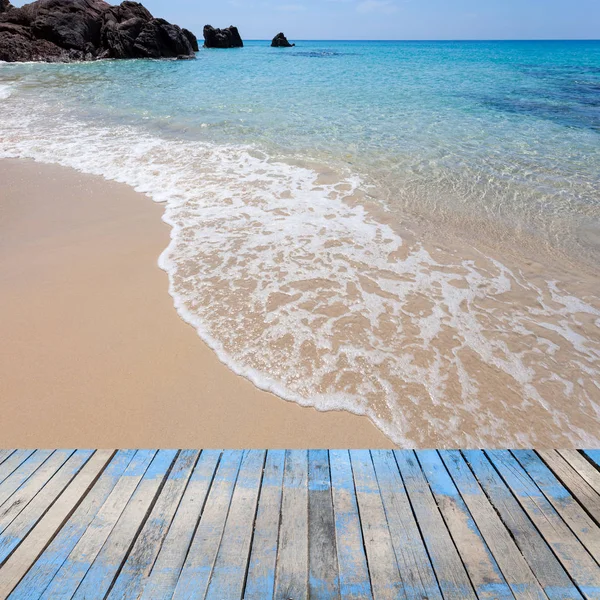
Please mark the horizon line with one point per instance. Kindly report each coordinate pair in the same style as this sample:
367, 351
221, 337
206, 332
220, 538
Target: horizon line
430, 40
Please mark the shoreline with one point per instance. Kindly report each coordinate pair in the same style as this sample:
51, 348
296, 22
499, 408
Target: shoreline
94, 352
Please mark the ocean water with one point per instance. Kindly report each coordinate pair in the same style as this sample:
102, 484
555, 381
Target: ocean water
404, 230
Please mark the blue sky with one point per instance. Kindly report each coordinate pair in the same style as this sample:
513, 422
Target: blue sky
389, 19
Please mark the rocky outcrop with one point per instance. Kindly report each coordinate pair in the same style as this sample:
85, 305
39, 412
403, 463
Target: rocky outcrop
222, 38
280, 41
68, 30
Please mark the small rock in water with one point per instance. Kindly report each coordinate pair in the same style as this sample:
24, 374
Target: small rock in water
280, 41
222, 38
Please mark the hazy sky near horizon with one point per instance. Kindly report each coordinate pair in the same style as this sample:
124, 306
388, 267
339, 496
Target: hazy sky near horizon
388, 19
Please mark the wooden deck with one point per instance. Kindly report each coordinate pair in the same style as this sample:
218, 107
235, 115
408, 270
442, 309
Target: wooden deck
299, 524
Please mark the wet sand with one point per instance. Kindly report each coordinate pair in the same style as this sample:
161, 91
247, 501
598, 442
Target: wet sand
93, 353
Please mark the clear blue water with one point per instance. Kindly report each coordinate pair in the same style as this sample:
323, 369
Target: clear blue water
483, 148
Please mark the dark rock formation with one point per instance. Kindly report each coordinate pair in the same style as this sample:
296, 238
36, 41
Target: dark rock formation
222, 38
280, 41
67, 30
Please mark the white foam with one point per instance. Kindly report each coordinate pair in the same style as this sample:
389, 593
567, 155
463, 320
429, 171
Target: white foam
313, 299
6, 91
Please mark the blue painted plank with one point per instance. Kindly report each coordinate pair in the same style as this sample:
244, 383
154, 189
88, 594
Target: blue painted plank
12, 462
109, 560
586, 470
260, 583
483, 570
135, 571
417, 574
553, 578
291, 579
195, 575
19, 476
28, 490
80, 559
447, 564
573, 481
323, 578
573, 556
47, 565
352, 560
594, 456
514, 567
20, 527
561, 499
4, 454
229, 572
383, 567
169, 563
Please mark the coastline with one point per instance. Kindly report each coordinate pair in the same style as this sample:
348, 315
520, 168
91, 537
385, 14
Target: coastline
94, 353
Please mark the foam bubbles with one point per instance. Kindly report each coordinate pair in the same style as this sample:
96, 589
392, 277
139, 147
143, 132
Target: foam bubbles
6, 91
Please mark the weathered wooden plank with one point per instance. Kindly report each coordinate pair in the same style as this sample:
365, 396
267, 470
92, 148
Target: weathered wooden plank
229, 572
573, 481
417, 574
47, 565
135, 570
169, 563
594, 456
79, 561
28, 490
101, 574
323, 579
13, 462
583, 467
260, 583
452, 577
292, 555
481, 566
20, 475
195, 575
567, 507
352, 559
383, 568
514, 567
4, 454
553, 578
26, 520
574, 557
28, 551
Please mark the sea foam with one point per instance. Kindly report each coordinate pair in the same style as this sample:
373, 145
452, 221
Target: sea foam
297, 287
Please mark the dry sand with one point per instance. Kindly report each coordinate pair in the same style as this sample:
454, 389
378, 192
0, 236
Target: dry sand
92, 351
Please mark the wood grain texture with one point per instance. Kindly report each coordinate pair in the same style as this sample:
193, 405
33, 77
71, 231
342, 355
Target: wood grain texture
354, 576
260, 582
15, 568
383, 568
323, 580
582, 568
570, 478
298, 524
481, 566
173, 552
417, 574
195, 575
450, 571
549, 572
571, 512
291, 577
513, 565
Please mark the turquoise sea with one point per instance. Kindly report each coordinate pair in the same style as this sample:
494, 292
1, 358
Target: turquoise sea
407, 230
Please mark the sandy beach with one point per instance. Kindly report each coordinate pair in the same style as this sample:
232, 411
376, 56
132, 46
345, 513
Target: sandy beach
93, 353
